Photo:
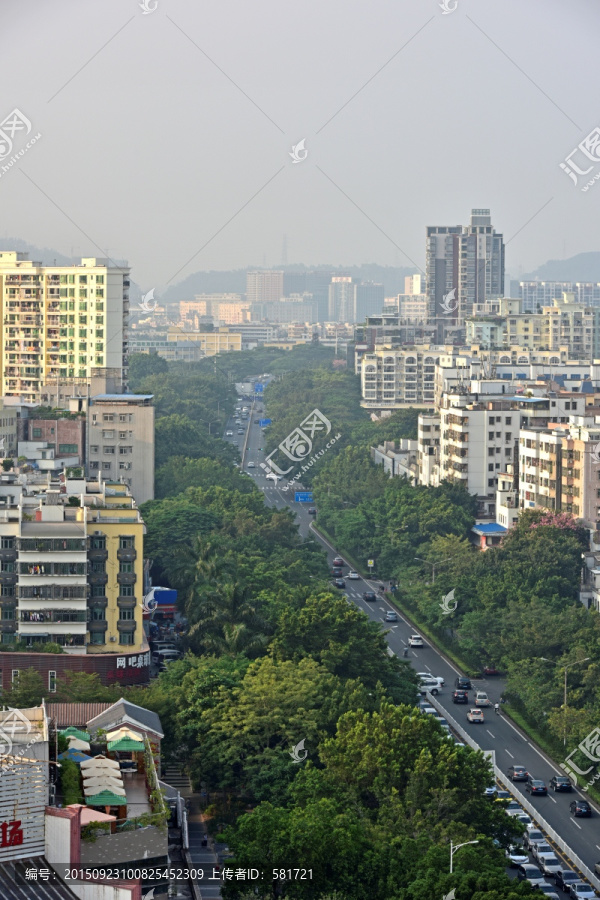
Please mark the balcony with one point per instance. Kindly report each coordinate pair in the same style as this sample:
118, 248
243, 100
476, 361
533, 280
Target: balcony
126, 554
97, 577
53, 569
126, 577
8, 555
62, 616
98, 555
126, 602
97, 625
126, 625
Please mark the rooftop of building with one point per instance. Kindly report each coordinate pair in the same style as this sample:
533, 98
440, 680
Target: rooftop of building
122, 398
123, 711
487, 528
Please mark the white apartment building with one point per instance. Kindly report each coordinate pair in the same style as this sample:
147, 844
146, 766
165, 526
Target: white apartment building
428, 449
478, 435
398, 378
507, 499
59, 321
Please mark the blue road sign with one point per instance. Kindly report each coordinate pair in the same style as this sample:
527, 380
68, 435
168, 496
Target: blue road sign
259, 388
264, 422
303, 497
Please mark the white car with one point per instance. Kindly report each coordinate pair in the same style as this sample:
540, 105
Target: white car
353, 576
429, 687
549, 863
427, 676
229, 434
516, 856
251, 465
482, 699
541, 848
272, 476
415, 640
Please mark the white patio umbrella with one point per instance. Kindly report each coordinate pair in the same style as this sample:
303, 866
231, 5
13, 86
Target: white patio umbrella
97, 789
103, 783
77, 744
99, 762
124, 732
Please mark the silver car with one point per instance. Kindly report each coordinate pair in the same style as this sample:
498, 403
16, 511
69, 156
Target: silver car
549, 863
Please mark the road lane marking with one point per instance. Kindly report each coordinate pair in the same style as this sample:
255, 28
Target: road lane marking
551, 798
509, 753
575, 823
490, 733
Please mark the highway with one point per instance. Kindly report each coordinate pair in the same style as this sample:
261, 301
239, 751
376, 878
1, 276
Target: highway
496, 733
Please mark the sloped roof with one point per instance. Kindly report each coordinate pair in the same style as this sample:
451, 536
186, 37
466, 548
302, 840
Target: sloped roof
10, 889
123, 709
77, 714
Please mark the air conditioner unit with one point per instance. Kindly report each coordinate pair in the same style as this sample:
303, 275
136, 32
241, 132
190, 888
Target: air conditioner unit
112, 639
98, 533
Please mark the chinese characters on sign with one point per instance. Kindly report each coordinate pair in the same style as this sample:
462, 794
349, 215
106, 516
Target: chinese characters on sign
133, 662
11, 833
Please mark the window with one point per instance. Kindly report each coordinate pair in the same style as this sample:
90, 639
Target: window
7, 543
37, 432
126, 543
98, 567
15, 675
127, 615
8, 612
108, 434
97, 614
491, 482
52, 682
109, 451
508, 420
67, 448
127, 638
126, 567
106, 466
96, 637
107, 417
125, 450
98, 590
98, 543
126, 590
491, 467
8, 590
491, 451
94, 448
95, 465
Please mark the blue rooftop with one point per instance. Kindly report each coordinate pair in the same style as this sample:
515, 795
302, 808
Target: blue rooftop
489, 528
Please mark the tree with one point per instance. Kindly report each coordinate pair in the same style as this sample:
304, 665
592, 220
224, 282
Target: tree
27, 690
143, 364
7, 464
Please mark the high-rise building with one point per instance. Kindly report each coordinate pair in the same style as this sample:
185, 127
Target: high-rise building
534, 295
59, 321
264, 286
465, 262
369, 300
342, 299
414, 284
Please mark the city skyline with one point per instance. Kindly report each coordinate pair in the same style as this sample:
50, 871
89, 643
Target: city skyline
186, 165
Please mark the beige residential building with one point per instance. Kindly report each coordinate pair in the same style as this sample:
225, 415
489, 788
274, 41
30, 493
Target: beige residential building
264, 286
59, 321
211, 343
414, 284
120, 441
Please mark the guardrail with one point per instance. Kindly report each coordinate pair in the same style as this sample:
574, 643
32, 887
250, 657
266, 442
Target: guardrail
577, 863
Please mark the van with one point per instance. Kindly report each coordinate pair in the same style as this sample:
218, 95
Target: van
162, 645
160, 656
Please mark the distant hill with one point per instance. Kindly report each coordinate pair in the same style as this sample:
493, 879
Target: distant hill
234, 280
583, 267
46, 255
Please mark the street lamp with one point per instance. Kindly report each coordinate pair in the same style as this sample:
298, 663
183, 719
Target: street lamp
453, 850
433, 565
566, 669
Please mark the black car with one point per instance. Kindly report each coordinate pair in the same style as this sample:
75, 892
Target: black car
371, 596
337, 572
463, 684
460, 697
580, 808
564, 878
339, 583
536, 786
312, 511
518, 773
561, 783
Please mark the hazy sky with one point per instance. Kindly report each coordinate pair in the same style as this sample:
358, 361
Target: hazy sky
168, 132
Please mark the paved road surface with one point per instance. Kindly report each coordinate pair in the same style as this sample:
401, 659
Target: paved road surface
496, 733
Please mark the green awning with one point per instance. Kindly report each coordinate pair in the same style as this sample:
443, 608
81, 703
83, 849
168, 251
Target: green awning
126, 744
71, 731
105, 798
